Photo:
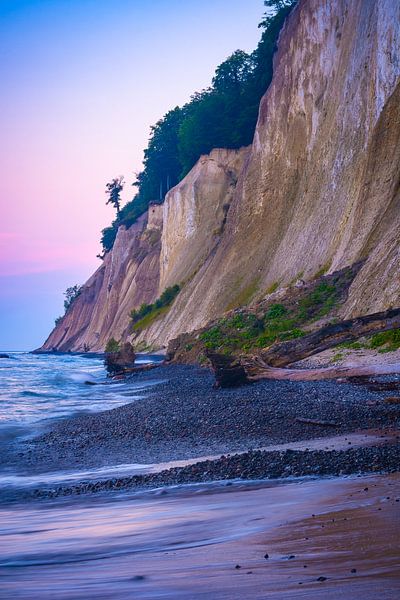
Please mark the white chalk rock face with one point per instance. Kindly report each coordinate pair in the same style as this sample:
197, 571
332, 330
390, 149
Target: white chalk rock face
317, 190
320, 187
195, 213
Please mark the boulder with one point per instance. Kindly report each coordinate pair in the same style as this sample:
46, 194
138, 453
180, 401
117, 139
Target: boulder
115, 362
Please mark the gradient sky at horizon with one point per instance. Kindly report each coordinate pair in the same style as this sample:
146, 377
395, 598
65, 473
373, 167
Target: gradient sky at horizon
82, 81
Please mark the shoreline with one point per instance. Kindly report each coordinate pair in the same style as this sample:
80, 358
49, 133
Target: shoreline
181, 417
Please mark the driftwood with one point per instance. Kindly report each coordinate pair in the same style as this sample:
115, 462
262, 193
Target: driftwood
270, 363
285, 353
257, 370
132, 370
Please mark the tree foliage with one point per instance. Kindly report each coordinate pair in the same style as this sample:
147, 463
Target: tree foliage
166, 298
112, 346
71, 294
221, 116
113, 191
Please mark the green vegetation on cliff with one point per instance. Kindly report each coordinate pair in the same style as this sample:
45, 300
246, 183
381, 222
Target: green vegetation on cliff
295, 313
147, 313
222, 116
112, 345
247, 330
71, 294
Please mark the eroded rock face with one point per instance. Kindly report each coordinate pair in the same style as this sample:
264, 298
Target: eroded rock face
195, 212
317, 191
128, 277
320, 188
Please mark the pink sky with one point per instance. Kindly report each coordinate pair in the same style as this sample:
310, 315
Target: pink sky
82, 81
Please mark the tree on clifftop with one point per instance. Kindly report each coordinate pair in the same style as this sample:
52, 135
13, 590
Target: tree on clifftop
113, 191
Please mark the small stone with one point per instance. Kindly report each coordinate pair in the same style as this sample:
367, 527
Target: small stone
138, 578
238, 567
322, 578
392, 400
266, 556
353, 571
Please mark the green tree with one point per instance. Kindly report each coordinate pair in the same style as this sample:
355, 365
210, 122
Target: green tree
221, 116
113, 191
233, 74
108, 236
71, 294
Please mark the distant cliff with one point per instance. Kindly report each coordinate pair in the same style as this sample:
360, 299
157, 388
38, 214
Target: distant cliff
319, 189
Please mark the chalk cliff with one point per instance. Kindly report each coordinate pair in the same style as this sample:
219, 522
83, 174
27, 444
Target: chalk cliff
128, 277
318, 190
167, 245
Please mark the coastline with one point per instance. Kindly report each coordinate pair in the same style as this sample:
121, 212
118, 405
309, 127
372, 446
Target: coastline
225, 434
303, 503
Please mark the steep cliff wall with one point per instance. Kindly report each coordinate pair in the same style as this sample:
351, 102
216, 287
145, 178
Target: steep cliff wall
128, 276
318, 189
195, 212
168, 245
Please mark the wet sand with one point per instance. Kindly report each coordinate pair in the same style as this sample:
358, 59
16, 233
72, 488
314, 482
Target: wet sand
211, 542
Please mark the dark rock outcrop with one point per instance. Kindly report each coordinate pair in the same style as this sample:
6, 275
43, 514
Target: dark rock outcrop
116, 362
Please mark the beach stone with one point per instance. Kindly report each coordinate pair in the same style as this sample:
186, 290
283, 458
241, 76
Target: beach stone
4, 356
392, 400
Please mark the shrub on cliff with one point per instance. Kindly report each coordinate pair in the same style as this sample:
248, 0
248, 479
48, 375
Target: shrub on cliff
71, 294
147, 313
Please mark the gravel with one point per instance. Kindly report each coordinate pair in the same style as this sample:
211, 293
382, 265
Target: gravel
249, 466
183, 416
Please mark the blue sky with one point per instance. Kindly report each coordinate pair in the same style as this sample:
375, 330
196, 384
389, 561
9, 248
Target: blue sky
82, 81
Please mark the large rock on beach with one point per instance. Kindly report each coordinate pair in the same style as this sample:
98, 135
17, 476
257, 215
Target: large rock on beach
124, 358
